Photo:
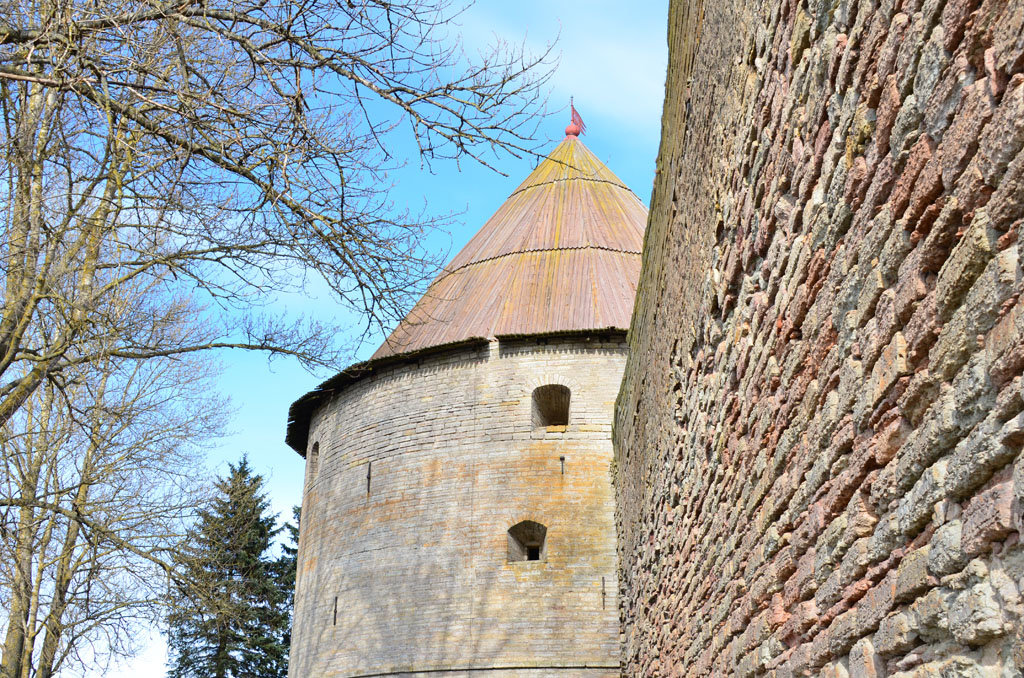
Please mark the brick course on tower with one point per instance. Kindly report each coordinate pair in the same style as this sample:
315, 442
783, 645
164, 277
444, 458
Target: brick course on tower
454, 523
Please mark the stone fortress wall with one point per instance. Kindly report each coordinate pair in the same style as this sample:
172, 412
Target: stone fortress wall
420, 470
818, 443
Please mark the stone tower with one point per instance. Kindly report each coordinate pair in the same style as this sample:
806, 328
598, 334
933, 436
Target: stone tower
458, 511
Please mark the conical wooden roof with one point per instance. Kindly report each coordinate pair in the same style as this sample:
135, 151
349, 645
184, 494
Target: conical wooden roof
562, 254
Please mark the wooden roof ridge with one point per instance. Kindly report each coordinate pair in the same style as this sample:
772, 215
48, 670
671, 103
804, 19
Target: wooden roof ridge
541, 184
580, 177
474, 262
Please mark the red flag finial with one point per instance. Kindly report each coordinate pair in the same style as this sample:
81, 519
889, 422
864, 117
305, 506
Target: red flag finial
576, 125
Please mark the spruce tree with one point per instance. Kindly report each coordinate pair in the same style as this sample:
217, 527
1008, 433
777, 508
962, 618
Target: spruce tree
229, 616
287, 567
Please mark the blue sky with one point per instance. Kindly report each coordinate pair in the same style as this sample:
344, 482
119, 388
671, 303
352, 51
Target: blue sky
612, 58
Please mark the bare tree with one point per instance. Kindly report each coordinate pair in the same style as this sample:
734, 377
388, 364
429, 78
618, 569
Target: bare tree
98, 487
216, 151
167, 166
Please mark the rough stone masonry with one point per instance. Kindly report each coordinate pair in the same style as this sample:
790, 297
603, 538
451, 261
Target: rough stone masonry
819, 466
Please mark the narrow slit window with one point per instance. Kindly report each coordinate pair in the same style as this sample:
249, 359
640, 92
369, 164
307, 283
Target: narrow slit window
551, 406
527, 541
313, 461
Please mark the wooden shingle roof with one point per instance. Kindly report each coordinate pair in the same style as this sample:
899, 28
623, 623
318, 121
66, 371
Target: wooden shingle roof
561, 254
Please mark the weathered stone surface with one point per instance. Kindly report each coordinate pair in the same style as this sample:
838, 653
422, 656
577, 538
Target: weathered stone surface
965, 263
424, 449
931, 614
865, 662
947, 555
896, 633
952, 667
988, 517
975, 616
912, 576
827, 351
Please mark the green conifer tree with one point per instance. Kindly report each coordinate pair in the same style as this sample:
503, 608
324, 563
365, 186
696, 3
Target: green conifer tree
229, 616
287, 567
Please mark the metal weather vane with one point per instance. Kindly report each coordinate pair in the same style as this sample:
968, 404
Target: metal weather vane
576, 125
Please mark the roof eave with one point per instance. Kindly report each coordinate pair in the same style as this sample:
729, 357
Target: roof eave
301, 411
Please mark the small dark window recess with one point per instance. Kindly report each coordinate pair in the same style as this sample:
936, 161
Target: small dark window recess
527, 541
369, 476
335, 620
313, 461
551, 406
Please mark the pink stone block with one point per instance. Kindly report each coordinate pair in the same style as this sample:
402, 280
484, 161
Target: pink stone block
989, 516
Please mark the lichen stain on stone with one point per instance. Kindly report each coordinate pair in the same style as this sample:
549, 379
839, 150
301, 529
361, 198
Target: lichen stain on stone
818, 441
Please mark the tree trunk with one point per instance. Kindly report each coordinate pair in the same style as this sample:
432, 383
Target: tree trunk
21, 586
65, 572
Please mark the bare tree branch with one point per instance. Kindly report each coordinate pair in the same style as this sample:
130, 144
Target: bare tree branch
222, 152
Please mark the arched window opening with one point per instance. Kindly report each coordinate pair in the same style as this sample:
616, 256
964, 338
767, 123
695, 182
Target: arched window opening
313, 461
527, 541
551, 406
